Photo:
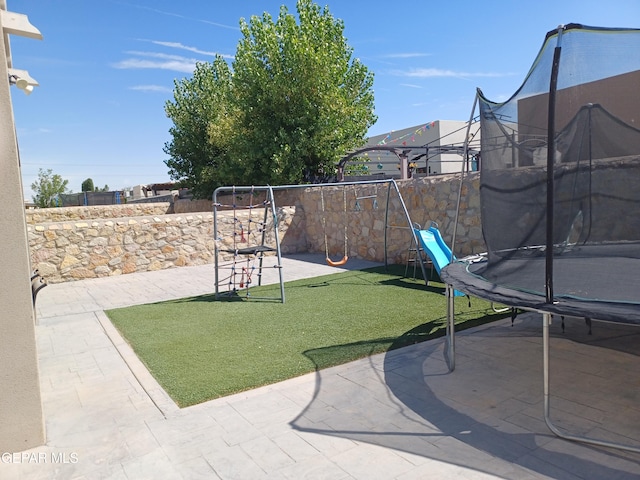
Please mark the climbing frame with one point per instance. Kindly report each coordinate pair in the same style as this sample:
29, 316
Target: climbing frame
249, 240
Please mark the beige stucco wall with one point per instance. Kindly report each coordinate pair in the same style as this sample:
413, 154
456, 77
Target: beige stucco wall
21, 418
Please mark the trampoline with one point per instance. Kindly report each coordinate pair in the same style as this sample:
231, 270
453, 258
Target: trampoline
560, 190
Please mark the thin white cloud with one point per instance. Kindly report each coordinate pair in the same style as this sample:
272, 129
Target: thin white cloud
410, 85
164, 56
159, 61
216, 24
180, 46
177, 15
162, 61
440, 73
150, 88
183, 65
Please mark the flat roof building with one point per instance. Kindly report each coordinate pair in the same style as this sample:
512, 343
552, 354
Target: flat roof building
431, 148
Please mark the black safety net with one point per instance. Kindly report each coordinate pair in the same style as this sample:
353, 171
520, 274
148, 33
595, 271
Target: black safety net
560, 174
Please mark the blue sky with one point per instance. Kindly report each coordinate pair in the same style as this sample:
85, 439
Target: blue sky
106, 68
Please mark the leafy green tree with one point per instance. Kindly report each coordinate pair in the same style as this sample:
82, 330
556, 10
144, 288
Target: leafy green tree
295, 102
198, 102
87, 185
47, 188
358, 166
303, 100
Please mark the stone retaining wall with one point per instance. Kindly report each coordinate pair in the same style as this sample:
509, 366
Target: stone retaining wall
427, 200
84, 242
75, 250
64, 251
96, 212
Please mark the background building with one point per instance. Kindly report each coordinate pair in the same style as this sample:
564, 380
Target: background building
432, 148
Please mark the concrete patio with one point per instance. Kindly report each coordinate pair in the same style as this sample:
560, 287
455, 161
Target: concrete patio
399, 415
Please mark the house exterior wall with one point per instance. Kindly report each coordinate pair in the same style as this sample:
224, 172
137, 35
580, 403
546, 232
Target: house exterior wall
450, 132
21, 416
606, 92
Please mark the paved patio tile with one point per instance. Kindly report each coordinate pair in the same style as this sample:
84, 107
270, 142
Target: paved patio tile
395, 416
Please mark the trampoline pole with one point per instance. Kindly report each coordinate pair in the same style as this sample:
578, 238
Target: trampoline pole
450, 343
546, 321
551, 152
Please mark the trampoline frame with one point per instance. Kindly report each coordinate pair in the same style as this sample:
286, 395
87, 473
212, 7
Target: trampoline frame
449, 353
548, 297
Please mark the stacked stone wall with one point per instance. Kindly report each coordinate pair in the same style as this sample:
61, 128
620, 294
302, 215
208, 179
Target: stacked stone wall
85, 242
75, 250
427, 200
96, 212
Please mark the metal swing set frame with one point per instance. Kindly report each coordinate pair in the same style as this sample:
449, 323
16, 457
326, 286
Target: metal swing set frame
258, 251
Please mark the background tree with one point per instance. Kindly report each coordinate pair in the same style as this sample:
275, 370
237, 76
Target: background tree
303, 100
47, 188
87, 185
296, 102
198, 102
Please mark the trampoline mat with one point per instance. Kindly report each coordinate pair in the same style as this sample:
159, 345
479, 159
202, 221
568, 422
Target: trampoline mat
597, 281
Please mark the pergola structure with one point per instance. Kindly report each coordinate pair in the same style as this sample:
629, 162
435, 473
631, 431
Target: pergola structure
425, 151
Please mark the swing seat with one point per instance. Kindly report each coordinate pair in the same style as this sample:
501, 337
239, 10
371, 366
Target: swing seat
331, 263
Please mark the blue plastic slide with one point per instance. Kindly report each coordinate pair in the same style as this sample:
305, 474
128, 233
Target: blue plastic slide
438, 251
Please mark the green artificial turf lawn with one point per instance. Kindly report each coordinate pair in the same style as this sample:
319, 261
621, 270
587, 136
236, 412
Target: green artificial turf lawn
200, 348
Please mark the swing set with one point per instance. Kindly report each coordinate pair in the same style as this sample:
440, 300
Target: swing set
250, 245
